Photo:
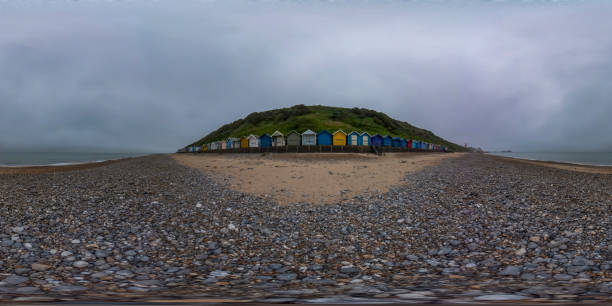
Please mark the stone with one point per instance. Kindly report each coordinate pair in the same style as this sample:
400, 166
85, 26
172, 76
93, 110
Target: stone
40, 267
68, 289
500, 297
562, 277
14, 280
349, 270
511, 271
80, 264
520, 252
286, 276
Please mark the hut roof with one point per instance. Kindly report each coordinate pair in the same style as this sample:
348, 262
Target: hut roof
264, 135
366, 133
277, 133
339, 131
309, 132
323, 132
354, 132
294, 132
252, 136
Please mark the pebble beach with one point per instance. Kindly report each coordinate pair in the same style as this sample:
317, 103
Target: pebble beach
475, 228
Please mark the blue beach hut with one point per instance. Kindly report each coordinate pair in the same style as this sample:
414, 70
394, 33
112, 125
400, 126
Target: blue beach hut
397, 141
229, 143
376, 140
324, 138
364, 139
387, 141
353, 139
403, 143
265, 141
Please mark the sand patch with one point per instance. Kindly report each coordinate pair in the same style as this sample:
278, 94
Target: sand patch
311, 177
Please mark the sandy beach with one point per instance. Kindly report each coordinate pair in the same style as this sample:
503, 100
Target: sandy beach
471, 228
311, 177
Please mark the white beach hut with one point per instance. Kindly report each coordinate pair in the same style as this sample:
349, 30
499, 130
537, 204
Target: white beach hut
253, 141
309, 138
278, 139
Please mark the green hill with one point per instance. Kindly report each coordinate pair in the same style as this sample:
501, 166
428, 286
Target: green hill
316, 118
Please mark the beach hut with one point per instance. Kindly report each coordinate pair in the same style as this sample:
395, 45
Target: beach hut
265, 141
339, 138
204, 147
253, 141
376, 140
397, 141
387, 141
364, 139
235, 143
229, 143
294, 138
324, 138
309, 138
244, 142
409, 144
403, 143
278, 139
353, 139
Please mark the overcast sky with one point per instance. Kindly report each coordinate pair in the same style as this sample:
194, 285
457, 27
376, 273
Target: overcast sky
155, 75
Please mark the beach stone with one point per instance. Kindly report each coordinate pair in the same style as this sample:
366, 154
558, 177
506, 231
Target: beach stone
511, 271
500, 297
349, 270
562, 277
80, 264
14, 280
40, 267
286, 276
68, 289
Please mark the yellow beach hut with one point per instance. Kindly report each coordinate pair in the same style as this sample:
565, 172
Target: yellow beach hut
339, 138
244, 142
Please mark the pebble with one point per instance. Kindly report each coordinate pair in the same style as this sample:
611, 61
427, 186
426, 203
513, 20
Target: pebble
474, 223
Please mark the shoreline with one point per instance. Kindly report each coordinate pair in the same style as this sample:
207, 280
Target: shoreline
585, 168
59, 167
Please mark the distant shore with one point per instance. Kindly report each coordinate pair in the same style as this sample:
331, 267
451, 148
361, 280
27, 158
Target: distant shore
599, 169
39, 169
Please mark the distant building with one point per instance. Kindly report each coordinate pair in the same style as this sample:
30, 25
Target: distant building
294, 138
387, 141
278, 139
353, 139
309, 138
244, 142
377, 140
324, 138
339, 138
253, 141
364, 139
265, 141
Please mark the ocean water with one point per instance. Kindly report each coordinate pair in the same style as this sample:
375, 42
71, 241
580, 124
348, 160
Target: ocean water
582, 158
57, 158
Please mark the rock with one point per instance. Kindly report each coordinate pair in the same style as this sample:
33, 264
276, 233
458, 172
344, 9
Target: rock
511, 271
40, 267
286, 276
218, 274
14, 280
500, 297
80, 264
68, 289
444, 251
534, 239
27, 290
349, 270
66, 253
562, 277
520, 252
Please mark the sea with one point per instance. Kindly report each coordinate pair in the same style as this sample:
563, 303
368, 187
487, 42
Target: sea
18, 159
581, 158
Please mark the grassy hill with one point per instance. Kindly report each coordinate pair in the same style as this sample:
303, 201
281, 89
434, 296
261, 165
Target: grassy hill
316, 118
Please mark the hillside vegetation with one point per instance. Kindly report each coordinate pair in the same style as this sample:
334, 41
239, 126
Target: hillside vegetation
316, 118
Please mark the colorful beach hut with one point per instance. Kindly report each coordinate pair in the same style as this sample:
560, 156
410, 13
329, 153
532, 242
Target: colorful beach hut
253, 141
387, 141
294, 139
244, 142
324, 138
224, 145
364, 139
235, 143
377, 140
265, 141
278, 139
353, 139
397, 142
309, 138
339, 138
204, 147
403, 143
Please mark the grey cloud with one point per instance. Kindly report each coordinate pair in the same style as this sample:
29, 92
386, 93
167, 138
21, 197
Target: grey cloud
152, 76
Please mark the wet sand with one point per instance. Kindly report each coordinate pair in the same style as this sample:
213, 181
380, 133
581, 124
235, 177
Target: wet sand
52, 169
311, 177
563, 166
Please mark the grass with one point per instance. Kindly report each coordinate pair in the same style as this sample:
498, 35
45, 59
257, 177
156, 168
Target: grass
318, 117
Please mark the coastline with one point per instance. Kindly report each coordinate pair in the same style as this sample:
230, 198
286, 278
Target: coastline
595, 169
60, 167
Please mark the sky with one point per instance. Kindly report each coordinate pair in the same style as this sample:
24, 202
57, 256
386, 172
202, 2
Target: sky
153, 76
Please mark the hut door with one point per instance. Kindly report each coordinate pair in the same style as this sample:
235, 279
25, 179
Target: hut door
365, 141
354, 140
